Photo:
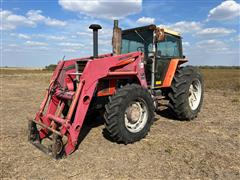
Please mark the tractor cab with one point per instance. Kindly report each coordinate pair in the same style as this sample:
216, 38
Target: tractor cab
159, 46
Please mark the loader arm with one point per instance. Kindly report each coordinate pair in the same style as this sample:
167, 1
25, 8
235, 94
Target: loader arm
61, 91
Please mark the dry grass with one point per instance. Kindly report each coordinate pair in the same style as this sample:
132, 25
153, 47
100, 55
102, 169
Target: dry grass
218, 79
11, 71
222, 79
206, 148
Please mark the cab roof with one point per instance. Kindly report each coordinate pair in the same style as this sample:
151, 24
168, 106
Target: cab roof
151, 27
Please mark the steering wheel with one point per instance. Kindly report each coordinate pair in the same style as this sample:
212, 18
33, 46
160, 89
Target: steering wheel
140, 49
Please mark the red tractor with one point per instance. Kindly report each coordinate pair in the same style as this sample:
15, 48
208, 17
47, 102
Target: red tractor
146, 63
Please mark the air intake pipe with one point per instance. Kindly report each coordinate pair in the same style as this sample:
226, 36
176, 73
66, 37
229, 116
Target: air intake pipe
95, 28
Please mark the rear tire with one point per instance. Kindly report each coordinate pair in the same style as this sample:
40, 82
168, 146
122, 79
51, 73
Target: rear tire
129, 114
186, 94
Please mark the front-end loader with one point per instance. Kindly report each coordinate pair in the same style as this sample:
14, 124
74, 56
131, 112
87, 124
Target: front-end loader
146, 63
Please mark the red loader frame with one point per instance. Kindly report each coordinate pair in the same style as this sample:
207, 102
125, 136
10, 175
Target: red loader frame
62, 89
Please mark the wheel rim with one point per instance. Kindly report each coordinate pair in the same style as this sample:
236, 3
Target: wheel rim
195, 94
136, 116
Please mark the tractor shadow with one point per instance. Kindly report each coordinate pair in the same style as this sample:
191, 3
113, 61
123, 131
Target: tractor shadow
92, 121
96, 120
166, 113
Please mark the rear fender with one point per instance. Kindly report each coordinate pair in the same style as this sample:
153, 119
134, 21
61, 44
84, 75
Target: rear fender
174, 64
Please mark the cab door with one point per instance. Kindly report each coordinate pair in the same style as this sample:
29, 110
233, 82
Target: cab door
166, 50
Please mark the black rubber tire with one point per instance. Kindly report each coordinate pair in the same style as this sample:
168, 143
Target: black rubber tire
179, 93
115, 113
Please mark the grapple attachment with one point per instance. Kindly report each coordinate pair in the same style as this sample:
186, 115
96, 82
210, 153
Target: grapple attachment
54, 119
55, 149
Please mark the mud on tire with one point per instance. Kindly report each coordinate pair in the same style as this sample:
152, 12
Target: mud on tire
186, 82
120, 109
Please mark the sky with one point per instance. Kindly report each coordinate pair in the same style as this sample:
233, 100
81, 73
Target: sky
36, 33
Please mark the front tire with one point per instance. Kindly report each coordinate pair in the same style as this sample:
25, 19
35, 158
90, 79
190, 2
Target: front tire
129, 114
186, 94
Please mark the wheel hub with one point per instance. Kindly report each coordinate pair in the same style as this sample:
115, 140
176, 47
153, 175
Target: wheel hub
133, 113
136, 116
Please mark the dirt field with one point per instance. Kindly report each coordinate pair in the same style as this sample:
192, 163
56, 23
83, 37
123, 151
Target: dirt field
206, 148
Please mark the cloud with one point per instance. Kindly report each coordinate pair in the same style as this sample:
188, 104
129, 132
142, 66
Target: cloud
215, 32
24, 36
212, 45
35, 15
58, 38
146, 20
21, 36
54, 22
13, 45
236, 38
184, 26
11, 21
35, 43
72, 46
84, 33
186, 44
49, 37
103, 8
37, 36
68, 50
226, 10
210, 42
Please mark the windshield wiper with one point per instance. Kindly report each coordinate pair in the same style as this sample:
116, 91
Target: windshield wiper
140, 36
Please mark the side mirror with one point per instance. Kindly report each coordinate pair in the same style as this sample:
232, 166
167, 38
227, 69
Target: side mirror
160, 36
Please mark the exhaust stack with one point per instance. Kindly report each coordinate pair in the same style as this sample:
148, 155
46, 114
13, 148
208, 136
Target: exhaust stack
95, 28
117, 38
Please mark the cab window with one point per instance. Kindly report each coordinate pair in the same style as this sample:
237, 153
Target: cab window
137, 41
170, 47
